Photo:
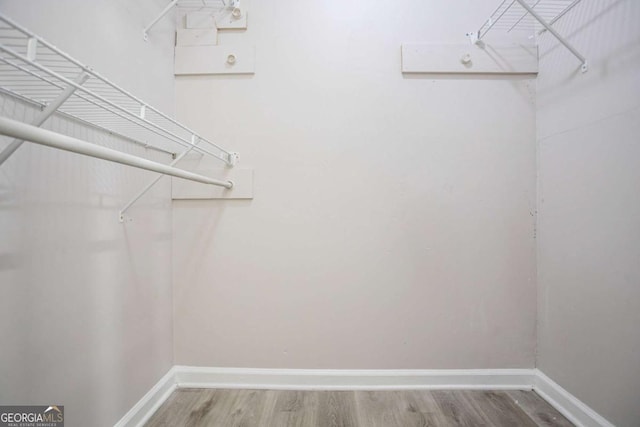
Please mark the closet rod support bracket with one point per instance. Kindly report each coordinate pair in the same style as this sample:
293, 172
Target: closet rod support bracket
233, 159
473, 37
585, 67
153, 182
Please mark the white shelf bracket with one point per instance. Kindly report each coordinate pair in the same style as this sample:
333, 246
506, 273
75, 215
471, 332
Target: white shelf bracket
32, 48
145, 32
473, 38
233, 159
548, 27
194, 141
561, 14
45, 114
236, 11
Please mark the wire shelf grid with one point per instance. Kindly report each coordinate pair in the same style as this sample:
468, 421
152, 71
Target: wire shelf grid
510, 15
34, 70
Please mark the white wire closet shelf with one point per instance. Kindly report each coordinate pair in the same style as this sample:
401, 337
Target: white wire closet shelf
529, 16
37, 72
201, 5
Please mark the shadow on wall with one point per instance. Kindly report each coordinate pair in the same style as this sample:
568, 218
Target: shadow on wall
210, 213
73, 283
590, 32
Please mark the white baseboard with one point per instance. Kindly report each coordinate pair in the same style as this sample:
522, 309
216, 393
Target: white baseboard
150, 402
323, 379
567, 404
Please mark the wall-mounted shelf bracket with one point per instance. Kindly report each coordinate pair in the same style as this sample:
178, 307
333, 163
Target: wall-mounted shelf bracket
194, 141
233, 159
473, 37
153, 182
145, 32
234, 6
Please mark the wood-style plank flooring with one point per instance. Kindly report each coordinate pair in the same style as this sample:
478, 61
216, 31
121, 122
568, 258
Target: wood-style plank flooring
403, 408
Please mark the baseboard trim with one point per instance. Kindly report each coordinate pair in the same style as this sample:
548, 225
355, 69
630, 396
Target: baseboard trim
150, 402
566, 403
324, 379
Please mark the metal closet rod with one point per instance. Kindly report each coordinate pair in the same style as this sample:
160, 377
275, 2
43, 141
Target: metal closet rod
40, 136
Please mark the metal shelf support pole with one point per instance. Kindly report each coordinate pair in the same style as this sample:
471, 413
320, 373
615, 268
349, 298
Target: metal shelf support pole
494, 21
145, 32
557, 35
152, 183
36, 135
560, 15
45, 114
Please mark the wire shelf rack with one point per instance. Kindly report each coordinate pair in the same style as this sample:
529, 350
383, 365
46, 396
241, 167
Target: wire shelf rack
211, 6
36, 71
511, 15
529, 16
202, 4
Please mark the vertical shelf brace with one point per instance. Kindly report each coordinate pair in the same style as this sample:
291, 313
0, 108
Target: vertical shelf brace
145, 32
513, 21
32, 48
156, 179
561, 14
557, 35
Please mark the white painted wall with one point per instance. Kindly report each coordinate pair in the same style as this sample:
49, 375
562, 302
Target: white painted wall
85, 302
393, 219
392, 225
589, 209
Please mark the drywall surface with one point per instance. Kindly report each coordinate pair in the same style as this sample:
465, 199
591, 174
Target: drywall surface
589, 209
85, 302
393, 216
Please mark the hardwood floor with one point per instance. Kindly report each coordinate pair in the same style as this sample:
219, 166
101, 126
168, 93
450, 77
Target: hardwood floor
403, 408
